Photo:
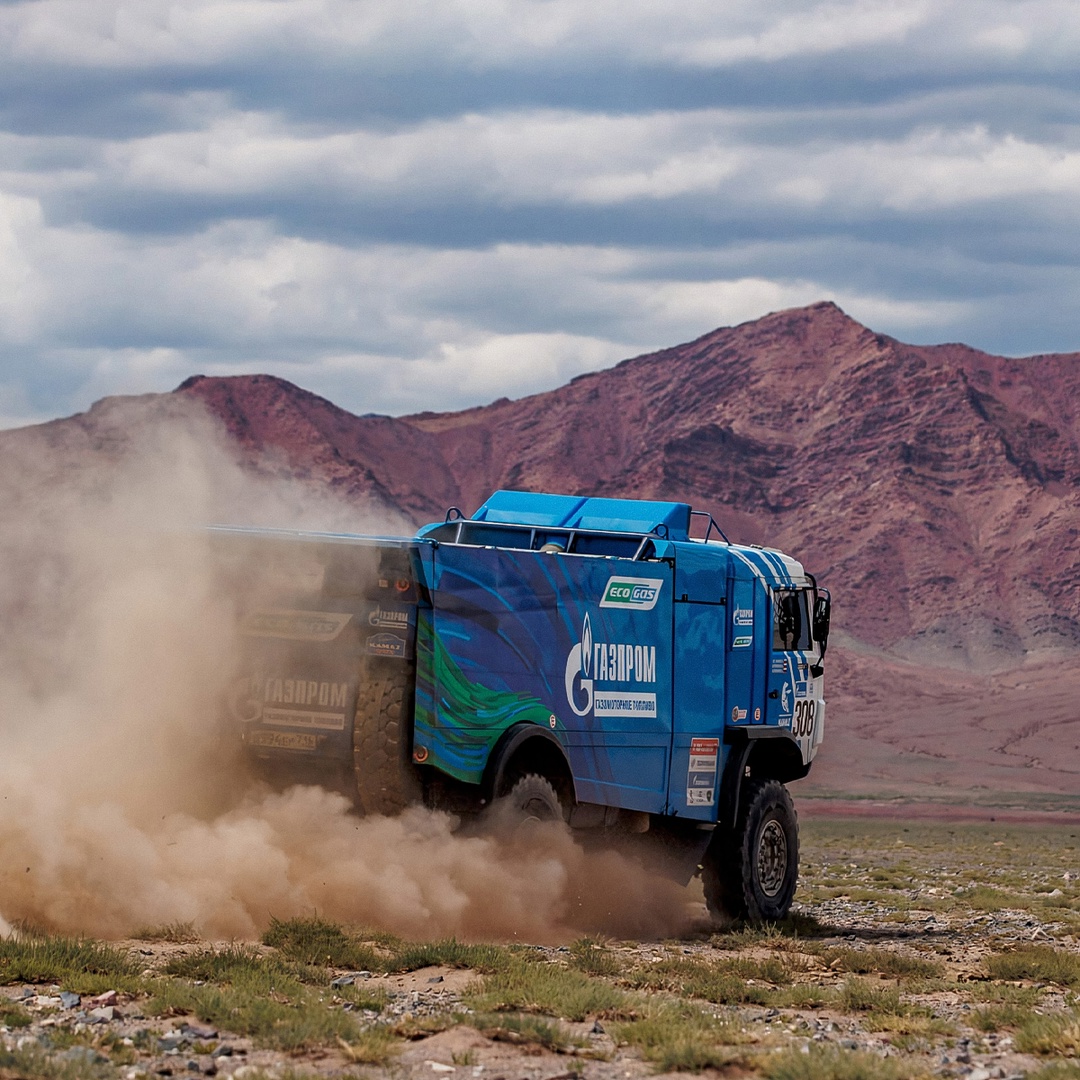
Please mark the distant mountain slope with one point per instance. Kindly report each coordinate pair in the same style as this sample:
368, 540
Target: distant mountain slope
934, 489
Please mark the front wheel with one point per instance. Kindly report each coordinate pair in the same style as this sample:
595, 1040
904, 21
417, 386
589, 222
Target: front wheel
750, 872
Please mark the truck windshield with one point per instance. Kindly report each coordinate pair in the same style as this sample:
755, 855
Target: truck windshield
791, 621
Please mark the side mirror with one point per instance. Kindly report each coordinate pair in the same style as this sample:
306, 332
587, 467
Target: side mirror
822, 616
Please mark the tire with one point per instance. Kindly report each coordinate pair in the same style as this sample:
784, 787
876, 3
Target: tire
385, 779
533, 798
750, 872
528, 801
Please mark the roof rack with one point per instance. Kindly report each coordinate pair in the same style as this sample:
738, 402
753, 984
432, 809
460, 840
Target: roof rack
457, 529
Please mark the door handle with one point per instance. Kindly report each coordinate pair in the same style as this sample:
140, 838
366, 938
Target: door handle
774, 694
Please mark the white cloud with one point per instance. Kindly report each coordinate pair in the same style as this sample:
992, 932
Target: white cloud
486, 35
20, 286
823, 28
386, 328
215, 210
933, 168
533, 156
592, 159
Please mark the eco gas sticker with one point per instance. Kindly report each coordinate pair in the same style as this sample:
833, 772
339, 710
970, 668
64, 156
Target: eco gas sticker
640, 594
701, 772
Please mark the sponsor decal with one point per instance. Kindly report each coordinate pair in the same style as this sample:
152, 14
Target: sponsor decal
274, 701
386, 645
326, 721
384, 617
757, 716
737, 714
244, 699
621, 703
791, 693
640, 594
332, 695
701, 772
593, 666
296, 625
742, 619
779, 666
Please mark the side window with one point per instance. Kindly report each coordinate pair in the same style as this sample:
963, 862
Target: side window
791, 621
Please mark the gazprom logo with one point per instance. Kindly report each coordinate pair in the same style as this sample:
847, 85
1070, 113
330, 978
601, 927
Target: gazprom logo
630, 592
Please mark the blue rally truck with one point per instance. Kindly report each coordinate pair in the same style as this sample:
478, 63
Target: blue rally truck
587, 659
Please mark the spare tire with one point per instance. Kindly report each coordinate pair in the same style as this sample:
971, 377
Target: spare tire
386, 781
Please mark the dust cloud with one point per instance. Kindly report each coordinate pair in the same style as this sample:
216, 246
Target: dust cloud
121, 806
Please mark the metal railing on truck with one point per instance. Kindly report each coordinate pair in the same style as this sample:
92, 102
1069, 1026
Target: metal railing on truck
458, 529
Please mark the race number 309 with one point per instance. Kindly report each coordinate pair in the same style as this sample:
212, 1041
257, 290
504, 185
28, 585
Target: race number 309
802, 723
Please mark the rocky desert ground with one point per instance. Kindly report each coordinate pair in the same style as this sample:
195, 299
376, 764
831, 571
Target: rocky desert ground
916, 948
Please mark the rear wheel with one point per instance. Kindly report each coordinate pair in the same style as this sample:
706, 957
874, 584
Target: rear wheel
528, 801
750, 871
385, 779
533, 798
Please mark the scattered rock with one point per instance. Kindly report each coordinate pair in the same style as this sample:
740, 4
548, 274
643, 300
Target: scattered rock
198, 1031
83, 1055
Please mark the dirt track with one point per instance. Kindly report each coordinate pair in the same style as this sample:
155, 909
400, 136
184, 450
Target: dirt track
898, 957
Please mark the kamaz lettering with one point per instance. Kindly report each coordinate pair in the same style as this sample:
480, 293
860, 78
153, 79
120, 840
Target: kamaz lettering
330, 695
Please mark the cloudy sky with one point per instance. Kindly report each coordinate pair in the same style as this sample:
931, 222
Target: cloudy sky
434, 203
